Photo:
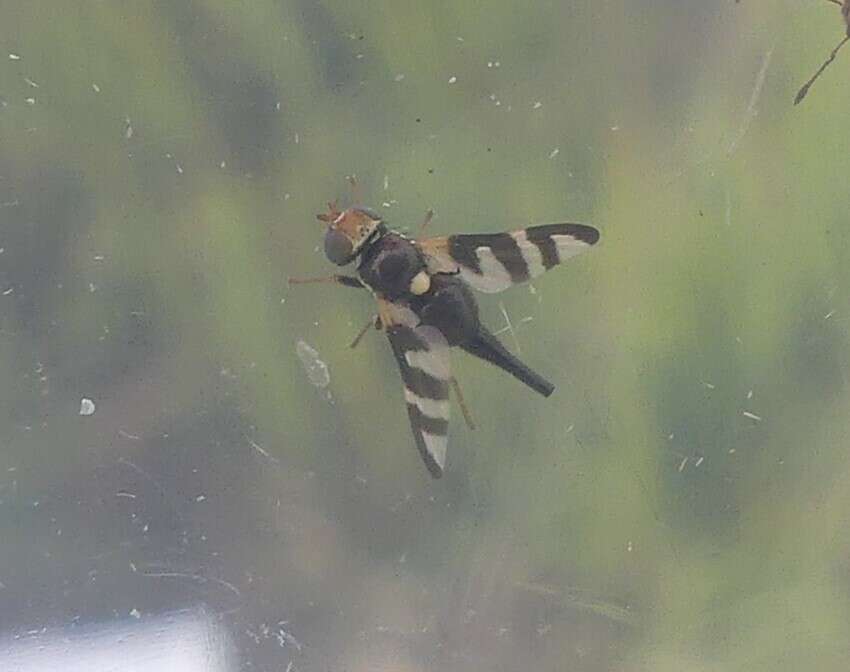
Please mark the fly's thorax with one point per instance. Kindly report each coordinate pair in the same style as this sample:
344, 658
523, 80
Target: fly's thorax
392, 266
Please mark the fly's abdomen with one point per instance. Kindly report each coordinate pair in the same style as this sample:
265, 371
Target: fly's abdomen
450, 307
486, 346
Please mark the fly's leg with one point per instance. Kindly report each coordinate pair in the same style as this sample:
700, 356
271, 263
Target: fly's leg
467, 416
345, 280
374, 321
385, 318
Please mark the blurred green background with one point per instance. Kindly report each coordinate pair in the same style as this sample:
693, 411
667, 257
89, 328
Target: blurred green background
682, 501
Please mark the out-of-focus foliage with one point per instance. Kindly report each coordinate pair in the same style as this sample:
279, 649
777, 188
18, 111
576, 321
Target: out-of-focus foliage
680, 503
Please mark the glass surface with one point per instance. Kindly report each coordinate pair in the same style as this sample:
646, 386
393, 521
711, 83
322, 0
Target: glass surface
181, 430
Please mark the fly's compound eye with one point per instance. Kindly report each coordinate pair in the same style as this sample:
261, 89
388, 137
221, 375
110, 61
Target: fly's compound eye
338, 247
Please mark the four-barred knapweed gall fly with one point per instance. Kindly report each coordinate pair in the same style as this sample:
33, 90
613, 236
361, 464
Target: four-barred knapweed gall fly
426, 306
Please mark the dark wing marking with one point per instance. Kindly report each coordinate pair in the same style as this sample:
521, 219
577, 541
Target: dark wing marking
422, 354
492, 262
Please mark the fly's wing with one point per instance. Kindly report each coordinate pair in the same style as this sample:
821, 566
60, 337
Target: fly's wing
492, 262
422, 354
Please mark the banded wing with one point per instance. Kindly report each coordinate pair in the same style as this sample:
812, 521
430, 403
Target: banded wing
422, 354
492, 262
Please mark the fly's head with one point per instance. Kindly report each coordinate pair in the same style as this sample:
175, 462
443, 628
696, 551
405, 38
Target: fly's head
349, 232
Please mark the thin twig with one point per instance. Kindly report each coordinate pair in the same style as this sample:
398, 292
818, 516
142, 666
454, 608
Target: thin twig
805, 88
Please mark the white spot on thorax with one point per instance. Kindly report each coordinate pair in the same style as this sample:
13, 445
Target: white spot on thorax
420, 283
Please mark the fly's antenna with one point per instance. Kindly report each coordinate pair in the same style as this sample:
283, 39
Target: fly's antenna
331, 215
333, 207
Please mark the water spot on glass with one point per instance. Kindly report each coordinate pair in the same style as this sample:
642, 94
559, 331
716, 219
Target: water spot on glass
316, 369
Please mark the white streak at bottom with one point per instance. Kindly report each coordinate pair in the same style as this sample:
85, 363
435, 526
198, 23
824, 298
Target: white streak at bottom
188, 641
